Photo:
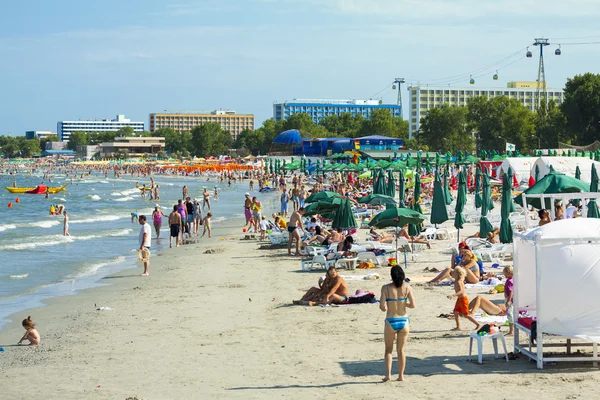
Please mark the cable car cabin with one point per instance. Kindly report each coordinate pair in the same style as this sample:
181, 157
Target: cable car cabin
529, 54
557, 52
495, 77
472, 81
393, 87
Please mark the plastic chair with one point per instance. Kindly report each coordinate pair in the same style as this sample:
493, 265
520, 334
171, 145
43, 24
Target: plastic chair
368, 256
319, 260
494, 337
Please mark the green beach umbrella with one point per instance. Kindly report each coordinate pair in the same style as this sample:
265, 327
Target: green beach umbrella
366, 174
537, 173
592, 205
461, 200
344, 217
439, 213
377, 199
554, 182
578, 173
319, 196
506, 232
379, 184
484, 224
447, 193
477, 187
391, 185
415, 229
401, 189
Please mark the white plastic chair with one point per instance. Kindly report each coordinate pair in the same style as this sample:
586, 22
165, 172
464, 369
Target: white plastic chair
430, 233
480, 339
318, 260
368, 256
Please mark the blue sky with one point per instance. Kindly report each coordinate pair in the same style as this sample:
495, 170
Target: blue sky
82, 59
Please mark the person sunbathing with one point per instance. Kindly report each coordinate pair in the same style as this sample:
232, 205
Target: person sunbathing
468, 261
487, 306
381, 237
315, 294
346, 246
333, 291
412, 239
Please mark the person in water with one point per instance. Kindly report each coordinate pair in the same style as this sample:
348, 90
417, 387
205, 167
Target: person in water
66, 224
31, 333
396, 298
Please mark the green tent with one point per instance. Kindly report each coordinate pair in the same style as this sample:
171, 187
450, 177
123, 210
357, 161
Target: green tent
344, 217
461, 200
477, 188
592, 205
439, 213
484, 224
554, 182
506, 232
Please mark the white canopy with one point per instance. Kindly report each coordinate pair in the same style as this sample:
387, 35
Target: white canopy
521, 167
567, 166
557, 276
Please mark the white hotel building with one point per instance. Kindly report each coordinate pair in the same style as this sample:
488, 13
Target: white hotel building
424, 98
65, 128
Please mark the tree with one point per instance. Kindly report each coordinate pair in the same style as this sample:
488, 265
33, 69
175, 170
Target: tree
581, 108
445, 129
250, 139
28, 147
209, 139
102, 137
174, 141
44, 140
552, 129
126, 131
10, 146
77, 138
161, 155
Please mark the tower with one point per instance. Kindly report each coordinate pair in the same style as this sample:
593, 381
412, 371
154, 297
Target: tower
541, 93
399, 82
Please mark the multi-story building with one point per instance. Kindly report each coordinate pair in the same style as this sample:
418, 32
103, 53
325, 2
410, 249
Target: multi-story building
186, 121
38, 134
424, 98
318, 109
133, 146
65, 128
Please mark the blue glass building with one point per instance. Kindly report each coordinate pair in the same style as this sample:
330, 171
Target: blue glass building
318, 109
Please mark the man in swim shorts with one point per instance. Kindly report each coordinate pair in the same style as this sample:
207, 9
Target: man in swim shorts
247, 210
294, 227
334, 290
175, 226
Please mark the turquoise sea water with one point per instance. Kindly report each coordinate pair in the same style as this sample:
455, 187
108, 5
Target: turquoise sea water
38, 262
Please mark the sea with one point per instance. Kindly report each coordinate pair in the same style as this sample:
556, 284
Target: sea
37, 262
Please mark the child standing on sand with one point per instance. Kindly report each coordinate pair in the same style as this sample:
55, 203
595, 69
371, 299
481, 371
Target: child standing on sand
462, 302
508, 298
263, 228
206, 224
31, 333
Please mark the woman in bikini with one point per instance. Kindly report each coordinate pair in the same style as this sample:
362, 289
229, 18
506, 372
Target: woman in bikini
395, 298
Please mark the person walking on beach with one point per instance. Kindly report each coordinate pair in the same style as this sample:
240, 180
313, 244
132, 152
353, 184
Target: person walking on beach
157, 215
145, 239
197, 215
294, 227
395, 298
189, 208
461, 308
175, 227
285, 198
181, 209
248, 211
66, 224
206, 224
256, 211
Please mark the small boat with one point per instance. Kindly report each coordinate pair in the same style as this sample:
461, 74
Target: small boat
35, 189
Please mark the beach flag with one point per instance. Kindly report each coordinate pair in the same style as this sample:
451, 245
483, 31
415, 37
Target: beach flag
510, 147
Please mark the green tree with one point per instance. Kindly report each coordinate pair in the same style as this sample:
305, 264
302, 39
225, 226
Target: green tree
102, 137
445, 129
581, 108
210, 140
552, 129
250, 139
10, 146
28, 147
383, 123
346, 125
126, 131
78, 138
175, 142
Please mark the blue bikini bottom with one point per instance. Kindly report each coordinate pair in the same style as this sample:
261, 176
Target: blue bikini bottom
397, 324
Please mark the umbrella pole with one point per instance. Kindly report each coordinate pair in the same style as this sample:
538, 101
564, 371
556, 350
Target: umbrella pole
458, 236
397, 247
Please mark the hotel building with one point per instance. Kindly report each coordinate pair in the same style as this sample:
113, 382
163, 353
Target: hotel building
38, 134
185, 122
318, 109
65, 128
423, 98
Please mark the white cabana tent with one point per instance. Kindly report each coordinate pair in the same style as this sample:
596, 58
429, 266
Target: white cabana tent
566, 165
557, 279
521, 167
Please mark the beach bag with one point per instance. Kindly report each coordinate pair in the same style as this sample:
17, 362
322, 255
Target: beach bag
366, 265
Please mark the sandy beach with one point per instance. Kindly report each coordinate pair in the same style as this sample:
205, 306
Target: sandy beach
222, 326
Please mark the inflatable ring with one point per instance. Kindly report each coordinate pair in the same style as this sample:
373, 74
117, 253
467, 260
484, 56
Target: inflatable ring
143, 255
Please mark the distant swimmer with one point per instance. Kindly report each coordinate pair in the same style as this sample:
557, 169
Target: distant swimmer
66, 224
216, 197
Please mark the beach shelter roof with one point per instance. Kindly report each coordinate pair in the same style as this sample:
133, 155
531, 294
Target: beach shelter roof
567, 166
553, 182
521, 167
291, 136
560, 257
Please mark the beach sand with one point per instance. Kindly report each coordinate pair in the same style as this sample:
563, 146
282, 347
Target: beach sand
221, 326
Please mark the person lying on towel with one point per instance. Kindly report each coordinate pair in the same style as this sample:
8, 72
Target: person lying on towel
332, 290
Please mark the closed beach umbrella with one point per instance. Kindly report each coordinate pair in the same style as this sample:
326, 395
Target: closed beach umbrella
401, 189
537, 173
578, 173
321, 196
391, 184
484, 224
461, 200
415, 229
344, 217
592, 205
447, 193
379, 183
439, 213
477, 187
506, 232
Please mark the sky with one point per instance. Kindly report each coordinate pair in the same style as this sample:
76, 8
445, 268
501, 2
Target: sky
69, 60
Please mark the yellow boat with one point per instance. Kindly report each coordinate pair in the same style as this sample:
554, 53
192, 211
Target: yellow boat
23, 190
